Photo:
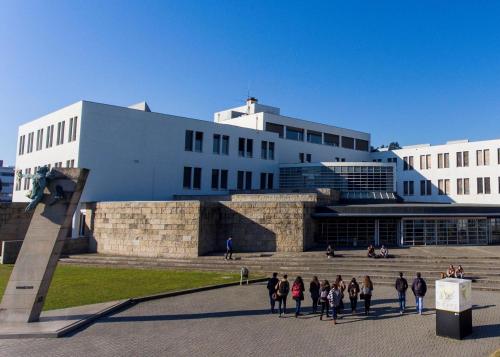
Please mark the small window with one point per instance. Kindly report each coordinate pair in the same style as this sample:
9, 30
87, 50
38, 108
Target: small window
275, 128
263, 181
308, 157
314, 137
294, 133
223, 179
332, 139
301, 157
186, 182
347, 142
487, 187
216, 144
263, 150
188, 141
215, 179
225, 145
480, 189
198, 141
361, 145
249, 147
270, 183
248, 180
197, 178
241, 147
241, 178
271, 150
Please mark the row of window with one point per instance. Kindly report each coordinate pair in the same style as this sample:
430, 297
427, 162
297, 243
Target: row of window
220, 145
483, 186
27, 181
443, 160
316, 137
49, 137
192, 179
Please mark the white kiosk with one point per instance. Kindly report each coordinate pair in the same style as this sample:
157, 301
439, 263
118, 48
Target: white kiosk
453, 308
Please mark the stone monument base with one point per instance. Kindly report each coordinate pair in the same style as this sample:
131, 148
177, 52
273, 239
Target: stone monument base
455, 325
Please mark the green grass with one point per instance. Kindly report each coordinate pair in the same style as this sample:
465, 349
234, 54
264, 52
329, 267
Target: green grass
74, 285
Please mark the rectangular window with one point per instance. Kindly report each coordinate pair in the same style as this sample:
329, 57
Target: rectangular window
314, 137
486, 157
241, 179
198, 141
263, 150
18, 184
27, 180
188, 141
440, 161
275, 128
479, 157
422, 162
60, 133
216, 144
412, 191
271, 150
248, 180
425, 188
249, 147
308, 157
225, 145
487, 187
480, 185
39, 139
186, 181
466, 158
50, 136
498, 156
75, 120
361, 145
446, 160
294, 133
197, 178
447, 189
21, 144
466, 186
425, 162
263, 181
215, 179
70, 130
223, 179
347, 142
301, 156
441, 187
408, 163
332, 139
460, 186
241, 147
30, 143
459, 159
270, 181
408, 188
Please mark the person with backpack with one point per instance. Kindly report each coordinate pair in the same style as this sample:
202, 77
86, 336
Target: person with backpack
419, 288
353, 291
298, 294
323, 298
366, 293
271, 287
341, 285
282, 290
229, 249
314, 287
334, 297
401, 287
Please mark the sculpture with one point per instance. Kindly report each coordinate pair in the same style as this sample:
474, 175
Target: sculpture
39, 183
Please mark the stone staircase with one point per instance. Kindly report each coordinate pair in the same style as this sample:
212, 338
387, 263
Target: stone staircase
483, 270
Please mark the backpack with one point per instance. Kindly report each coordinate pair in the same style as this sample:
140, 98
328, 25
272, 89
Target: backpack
400, 285
324, 295
283, 288
296, 291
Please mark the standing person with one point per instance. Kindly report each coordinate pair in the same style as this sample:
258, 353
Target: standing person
401, 287
419, 288
314, 287
366, 293
271, 287
353, 291
298, 294
341, 285
229, 248
334, 297
323, 298
282, 290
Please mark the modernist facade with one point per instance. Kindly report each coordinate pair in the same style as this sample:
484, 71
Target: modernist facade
6, 182
138, 155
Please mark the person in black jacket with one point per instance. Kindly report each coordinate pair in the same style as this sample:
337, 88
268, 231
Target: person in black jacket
419, 288
314, 287
401, 287
271, 287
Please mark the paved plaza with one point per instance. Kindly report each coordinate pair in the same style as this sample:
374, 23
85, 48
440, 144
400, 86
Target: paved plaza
235, 321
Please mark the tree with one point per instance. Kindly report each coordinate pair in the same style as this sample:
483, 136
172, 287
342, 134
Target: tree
394, 145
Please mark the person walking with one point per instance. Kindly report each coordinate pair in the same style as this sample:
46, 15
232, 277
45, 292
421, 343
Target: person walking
419, 288
229, 248
314, 287
401, 287
366, 293
334, 297
323, 298
353, 291
341, 285
298, 294
271, 287
282, 290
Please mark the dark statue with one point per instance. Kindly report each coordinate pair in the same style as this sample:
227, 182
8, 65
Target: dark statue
39, 179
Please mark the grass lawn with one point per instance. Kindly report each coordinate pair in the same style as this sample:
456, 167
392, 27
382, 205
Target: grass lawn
74, 285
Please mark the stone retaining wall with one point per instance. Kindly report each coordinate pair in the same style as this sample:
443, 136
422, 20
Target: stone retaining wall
14, 222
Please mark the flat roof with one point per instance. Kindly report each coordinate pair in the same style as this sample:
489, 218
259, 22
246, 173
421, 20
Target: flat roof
409, 210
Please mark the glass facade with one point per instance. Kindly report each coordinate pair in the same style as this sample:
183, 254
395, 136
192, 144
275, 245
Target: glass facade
342, 178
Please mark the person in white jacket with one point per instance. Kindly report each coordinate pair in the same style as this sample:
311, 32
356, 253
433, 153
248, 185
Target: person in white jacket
334, 297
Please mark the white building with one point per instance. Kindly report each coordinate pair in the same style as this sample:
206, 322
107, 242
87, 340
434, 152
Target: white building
6, 182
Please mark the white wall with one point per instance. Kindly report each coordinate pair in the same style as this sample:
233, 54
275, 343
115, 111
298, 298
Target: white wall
453, 172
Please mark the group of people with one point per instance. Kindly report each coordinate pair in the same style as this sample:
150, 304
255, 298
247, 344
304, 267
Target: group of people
453, 272
329, 298
384, 252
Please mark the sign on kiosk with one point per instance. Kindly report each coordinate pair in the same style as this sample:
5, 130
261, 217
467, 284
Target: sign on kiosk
453, 295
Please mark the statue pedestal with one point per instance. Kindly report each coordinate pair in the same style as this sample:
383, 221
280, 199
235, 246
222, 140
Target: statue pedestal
453, 308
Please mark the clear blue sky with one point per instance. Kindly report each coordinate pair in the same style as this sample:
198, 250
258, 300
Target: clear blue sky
411, 71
